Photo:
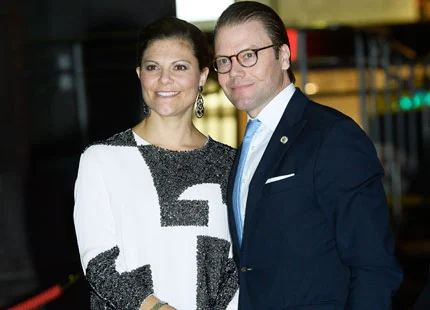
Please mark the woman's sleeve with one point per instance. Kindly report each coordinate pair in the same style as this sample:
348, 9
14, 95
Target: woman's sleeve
96, 236
228, 293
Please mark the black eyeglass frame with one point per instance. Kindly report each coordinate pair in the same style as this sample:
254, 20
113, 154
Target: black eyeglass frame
255, 50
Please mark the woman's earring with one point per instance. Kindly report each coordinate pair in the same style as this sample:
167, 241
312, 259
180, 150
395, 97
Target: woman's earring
146, 110
200, 109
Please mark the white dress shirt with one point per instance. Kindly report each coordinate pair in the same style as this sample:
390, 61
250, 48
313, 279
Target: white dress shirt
269, 118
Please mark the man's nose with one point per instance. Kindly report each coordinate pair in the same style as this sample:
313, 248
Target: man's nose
236, 67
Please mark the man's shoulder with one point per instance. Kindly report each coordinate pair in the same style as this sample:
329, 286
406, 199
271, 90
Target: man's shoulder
324, 116
325, 111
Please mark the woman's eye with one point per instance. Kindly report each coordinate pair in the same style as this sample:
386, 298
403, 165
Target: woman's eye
180, 67
151, 67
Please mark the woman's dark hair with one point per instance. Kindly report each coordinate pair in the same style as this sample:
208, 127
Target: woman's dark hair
172, 27
244, 11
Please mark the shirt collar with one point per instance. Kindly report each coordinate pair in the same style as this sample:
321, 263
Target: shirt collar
272, 113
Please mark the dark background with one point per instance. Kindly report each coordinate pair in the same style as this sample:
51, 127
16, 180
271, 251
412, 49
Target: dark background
44, 125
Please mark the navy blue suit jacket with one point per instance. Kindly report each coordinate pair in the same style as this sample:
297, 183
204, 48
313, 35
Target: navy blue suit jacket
319, 240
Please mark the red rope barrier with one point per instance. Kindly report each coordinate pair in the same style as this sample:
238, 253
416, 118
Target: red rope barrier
40, 299
46, 296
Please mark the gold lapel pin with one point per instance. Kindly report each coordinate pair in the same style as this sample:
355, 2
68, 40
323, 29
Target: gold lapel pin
284, 140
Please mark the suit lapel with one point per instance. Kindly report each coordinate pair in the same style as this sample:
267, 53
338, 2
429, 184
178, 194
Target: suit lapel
290, 126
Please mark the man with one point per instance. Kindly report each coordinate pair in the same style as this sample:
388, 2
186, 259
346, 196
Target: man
307, 213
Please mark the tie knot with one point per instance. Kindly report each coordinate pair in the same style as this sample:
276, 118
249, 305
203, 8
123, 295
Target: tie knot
252, 127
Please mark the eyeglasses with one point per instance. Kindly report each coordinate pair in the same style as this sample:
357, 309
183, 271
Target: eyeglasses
246, 58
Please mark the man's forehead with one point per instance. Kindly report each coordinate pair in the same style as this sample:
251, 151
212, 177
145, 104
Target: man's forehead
248, 34
251, 23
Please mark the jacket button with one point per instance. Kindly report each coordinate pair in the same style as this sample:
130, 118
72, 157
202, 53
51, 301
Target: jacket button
244, 269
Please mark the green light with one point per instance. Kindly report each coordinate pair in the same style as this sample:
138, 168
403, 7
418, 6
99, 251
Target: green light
405, 103
418, 99
426, 99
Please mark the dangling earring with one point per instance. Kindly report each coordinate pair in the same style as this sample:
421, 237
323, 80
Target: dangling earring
146, 110
200, 109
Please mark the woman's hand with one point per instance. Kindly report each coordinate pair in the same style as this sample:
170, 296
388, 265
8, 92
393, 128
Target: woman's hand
151, 301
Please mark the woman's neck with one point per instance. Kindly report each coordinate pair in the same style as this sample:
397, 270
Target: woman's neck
170, 134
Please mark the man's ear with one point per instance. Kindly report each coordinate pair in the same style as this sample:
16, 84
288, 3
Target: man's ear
284, 56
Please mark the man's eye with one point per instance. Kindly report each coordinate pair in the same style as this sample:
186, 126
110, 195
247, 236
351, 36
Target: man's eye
247, 55
223, 61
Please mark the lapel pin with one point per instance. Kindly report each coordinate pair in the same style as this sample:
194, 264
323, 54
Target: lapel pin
284, 140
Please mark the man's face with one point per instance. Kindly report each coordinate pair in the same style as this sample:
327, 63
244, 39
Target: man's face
251, 89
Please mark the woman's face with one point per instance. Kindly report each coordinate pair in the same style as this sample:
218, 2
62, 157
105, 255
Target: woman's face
170, 77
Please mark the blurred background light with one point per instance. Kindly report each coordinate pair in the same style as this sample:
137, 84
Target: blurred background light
311, 88
201, 10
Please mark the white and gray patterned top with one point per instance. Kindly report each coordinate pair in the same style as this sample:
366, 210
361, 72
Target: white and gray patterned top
154, 221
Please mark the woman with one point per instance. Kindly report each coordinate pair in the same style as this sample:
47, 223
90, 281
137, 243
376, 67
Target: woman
150, 213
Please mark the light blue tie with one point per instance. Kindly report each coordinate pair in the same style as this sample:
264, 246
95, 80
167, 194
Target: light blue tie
251, 128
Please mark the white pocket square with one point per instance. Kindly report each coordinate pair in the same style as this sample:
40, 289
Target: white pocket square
281, 177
